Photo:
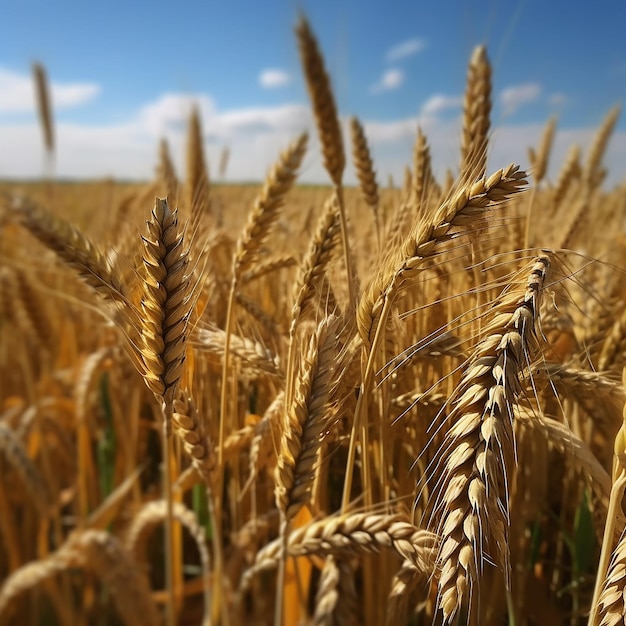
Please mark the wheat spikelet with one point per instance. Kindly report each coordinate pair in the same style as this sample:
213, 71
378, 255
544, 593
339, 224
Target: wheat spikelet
166, 303
265, 211
44, 106
471, 502
476, 116
323, 101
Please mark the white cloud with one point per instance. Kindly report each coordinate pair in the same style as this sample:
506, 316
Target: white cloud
405, 49
256, 135
390, 80
514, 97
272, 77
172, 111
438, 103
17, 93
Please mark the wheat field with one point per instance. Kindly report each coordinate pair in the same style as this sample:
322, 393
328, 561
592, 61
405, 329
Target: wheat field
316, 405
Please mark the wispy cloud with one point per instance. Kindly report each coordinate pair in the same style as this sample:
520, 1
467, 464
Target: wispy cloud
17, 93
438, 103
390, 80
405, 49
514, 97
272, 77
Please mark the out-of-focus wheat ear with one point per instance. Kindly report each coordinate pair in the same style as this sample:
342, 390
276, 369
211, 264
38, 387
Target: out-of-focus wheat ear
539, 164
223, 167
191, 431
12, 450
336, 600
570, 172
539, 160
44, 106
328, 130
473, 468
98, 552
365, 171
598, 148
71, 246
476, 116
267, 205
197, 186
166, 173
166, 303
323, 101
422, 178
152, 515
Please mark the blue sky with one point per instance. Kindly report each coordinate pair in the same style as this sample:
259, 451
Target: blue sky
124, 75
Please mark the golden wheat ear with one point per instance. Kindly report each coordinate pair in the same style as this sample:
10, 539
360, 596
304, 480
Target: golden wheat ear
474, 467
166, 303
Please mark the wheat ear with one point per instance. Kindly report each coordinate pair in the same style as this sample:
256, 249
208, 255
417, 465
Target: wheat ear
467, 206
166, 303
197, 183
352, 534
365, 171
328, 129
101, 553
539, 163
598, 148
476, 116
166, 173
71, 246
471, 503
